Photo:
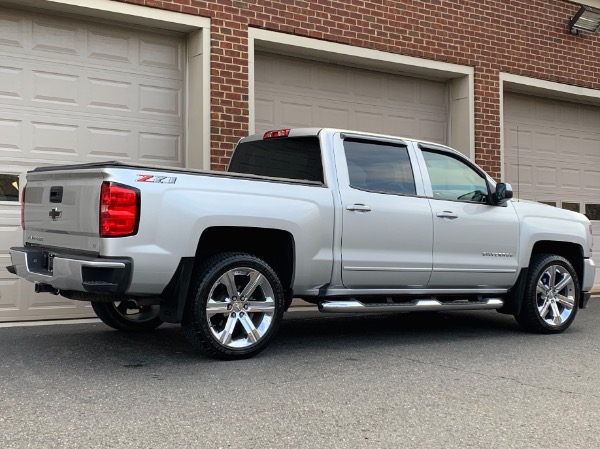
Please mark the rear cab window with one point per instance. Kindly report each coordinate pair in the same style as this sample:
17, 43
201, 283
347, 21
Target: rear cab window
296, 158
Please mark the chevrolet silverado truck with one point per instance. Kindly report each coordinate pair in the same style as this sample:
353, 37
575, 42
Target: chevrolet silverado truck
349, 221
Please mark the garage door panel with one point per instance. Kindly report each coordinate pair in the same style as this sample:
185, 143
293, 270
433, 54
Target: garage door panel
591, 148
402, 90
569, 145
370, 86
296, 92
297, 113
11, 82
76, 42
164, 148
569, 178
10, 135
75, 91
592, 180
371, 120
333, 117
12, 30
433, 130
433, 94
110, 45
333, 80
111, 95
590, 116
544, 144
557, 151
56, 36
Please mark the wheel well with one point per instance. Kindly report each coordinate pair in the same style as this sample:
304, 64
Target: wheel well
274, 246
570, 251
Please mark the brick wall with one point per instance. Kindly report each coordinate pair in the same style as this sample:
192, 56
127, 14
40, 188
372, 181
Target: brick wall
522, 37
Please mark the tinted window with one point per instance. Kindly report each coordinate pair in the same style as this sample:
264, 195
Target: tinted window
570, 206
592, 211
9, 187
452, 179
284, 157
379, 167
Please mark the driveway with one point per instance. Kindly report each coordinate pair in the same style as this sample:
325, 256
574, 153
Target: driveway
445, 380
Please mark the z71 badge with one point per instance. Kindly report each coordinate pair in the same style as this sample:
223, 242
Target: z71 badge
156, 179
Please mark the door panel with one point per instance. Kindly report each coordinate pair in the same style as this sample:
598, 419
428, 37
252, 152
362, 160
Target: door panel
477, 248
387, 236
475, 243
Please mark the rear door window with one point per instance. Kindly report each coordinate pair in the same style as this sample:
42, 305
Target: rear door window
284, 157
379, 167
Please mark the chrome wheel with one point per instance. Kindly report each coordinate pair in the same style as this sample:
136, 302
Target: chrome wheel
240, 308
551, 295
235, 308
555, 294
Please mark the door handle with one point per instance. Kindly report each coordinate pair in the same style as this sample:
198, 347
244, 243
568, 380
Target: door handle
358, 208
447, 214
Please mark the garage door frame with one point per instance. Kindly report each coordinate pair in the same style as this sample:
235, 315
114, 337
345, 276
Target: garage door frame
540, 88
197, 76
461, 114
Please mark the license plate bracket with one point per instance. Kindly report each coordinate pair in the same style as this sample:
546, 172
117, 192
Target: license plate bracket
48, 261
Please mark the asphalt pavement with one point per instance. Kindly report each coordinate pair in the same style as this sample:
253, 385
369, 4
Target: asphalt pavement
440, 380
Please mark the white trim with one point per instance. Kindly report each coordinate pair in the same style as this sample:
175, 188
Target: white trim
171, 20
540, 88
259, 39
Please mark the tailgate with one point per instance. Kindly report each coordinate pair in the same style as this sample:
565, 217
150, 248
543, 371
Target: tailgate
62, 209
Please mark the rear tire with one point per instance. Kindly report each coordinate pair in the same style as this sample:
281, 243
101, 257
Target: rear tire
235, 308
551, 297
118, 316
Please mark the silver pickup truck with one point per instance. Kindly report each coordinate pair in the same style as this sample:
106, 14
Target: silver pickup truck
350, 221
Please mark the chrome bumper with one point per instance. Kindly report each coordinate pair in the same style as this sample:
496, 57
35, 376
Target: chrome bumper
72, 272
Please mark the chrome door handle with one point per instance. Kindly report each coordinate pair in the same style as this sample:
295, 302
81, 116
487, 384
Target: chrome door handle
358, 208
447, 214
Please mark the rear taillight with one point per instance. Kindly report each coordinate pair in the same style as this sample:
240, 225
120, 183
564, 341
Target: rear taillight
23, 207
119, 210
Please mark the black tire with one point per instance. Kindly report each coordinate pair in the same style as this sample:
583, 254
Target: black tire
549, 307
236, 319
114, 314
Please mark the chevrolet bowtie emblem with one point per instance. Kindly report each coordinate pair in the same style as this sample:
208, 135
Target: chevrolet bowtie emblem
55, 213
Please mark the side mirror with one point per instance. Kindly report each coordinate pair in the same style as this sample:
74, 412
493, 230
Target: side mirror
503, 193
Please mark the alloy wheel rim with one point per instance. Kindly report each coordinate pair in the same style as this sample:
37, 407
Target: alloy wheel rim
555, 295
240, 308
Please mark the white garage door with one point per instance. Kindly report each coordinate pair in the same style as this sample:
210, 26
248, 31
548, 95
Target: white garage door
558, 155
77, 91
292, 92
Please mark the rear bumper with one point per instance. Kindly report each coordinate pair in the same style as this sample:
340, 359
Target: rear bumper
71, 272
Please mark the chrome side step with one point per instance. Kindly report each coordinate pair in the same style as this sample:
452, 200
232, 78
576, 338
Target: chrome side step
418, 305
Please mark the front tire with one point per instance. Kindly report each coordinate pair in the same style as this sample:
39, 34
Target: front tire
551, 295
121, 317
235, 308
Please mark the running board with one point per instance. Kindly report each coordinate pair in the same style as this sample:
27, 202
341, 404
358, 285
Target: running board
418, 305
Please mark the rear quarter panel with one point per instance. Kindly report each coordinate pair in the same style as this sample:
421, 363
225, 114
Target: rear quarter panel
174, 216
